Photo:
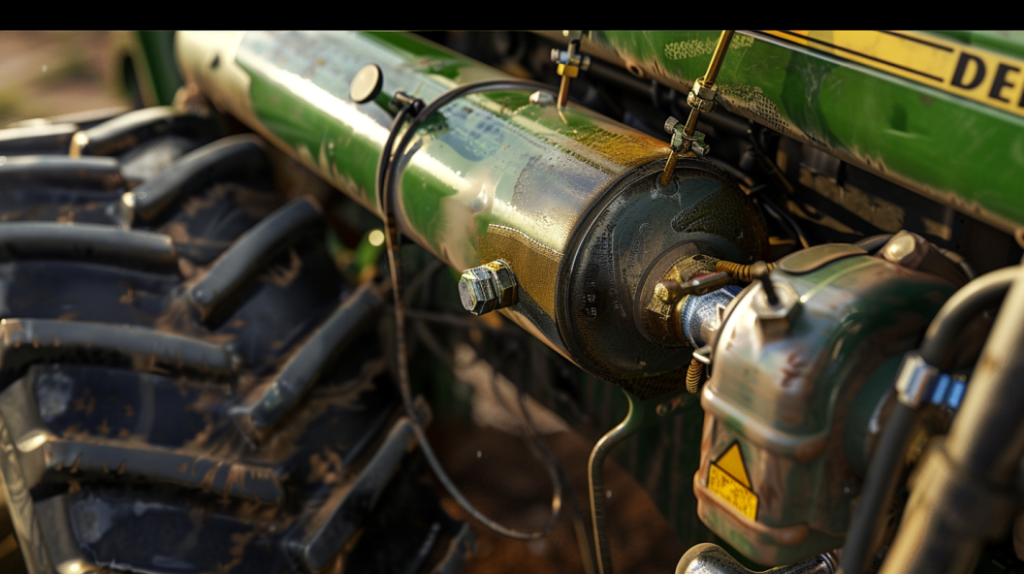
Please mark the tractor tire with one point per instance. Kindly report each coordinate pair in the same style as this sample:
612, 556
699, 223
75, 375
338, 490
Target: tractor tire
187, 382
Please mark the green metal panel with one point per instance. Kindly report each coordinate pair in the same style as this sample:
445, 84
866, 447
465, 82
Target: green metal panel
957, 151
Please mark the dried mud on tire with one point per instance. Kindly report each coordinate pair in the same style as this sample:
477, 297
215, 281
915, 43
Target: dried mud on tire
187, 382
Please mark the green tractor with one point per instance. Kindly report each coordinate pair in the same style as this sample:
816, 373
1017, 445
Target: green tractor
257, 323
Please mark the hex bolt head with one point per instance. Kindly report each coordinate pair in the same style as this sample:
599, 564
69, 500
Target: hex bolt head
670, 124
487, 287
906, 249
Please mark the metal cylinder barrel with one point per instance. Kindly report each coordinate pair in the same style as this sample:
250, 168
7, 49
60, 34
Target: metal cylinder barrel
569, 200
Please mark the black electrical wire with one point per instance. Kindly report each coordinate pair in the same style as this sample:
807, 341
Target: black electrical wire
779, 214
540, 449
883, 473
421, 317
386, 183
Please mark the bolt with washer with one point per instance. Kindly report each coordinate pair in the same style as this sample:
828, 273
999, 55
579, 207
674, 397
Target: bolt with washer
487, 287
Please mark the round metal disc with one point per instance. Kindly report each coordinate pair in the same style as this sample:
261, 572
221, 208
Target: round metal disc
366, 85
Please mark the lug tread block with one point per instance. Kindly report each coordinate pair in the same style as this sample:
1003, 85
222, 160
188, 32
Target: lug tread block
288, 299
331, 528
99, 293
86, 241
239, 157
27, 341
126, 427
408, 531
157, 410
47, 139
208, 223
35, 172
253, 251
116, 530
344, 417
80, 460
357, 313
128, 130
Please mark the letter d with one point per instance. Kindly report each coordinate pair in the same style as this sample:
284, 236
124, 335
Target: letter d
961, 69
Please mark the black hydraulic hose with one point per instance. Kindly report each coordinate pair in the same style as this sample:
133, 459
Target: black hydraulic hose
386, 192
879, 486
971, 300
880, 483
781, 215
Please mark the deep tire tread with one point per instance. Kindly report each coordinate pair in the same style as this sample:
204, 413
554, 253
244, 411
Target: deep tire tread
201, 392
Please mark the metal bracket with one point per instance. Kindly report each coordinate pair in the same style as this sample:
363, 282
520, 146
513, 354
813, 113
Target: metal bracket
570, 63
701, 96
914, 380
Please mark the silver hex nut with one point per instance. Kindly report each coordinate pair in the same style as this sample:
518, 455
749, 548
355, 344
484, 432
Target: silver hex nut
487, 287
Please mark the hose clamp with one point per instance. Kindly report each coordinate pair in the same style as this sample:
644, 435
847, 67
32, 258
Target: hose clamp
915, 378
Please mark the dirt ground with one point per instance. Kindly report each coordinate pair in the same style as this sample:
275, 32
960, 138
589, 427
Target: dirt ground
53, 73
498, 473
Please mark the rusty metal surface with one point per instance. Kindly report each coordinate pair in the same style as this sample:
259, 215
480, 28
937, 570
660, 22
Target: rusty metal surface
785, 399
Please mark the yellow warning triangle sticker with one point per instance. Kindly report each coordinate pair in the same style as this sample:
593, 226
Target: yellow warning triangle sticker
732, 462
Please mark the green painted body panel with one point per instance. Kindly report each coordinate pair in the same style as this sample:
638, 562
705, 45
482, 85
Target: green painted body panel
962, 153
1007, 42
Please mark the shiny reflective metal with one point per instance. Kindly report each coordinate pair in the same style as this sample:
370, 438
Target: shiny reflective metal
672, 126
915, 252
542, 98
710, 558
914, 380
487, 287
701, 96
703, 87
570, 63
905, 248
706, 283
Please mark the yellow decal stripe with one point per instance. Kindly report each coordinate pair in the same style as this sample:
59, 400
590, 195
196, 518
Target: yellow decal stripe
983, 76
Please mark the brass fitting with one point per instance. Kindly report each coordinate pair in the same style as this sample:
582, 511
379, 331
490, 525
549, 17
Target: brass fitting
570, 63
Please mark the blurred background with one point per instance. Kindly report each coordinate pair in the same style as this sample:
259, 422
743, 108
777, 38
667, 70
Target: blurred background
55, 73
